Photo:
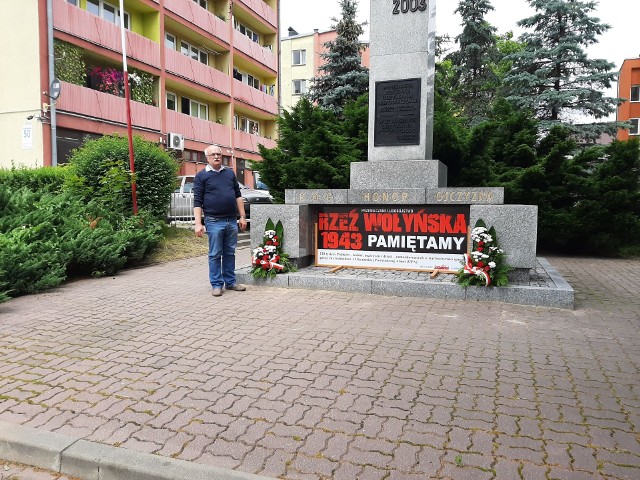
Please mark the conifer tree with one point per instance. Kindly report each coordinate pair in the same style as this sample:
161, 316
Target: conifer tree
472, 62
342, 78
553, 76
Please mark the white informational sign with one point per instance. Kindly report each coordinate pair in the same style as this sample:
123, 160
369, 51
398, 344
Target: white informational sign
395, 260
27, 137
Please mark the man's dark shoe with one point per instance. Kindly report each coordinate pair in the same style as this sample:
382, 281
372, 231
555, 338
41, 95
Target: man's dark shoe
217, 291
237, 287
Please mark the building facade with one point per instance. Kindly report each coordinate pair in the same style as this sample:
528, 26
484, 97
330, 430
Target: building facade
301, 59
629, 88
201, 72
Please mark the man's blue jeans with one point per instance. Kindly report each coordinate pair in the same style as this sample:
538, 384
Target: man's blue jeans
223, 239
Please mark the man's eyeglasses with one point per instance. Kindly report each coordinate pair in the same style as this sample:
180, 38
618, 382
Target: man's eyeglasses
213, 155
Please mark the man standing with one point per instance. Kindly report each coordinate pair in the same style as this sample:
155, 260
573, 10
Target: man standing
217, 193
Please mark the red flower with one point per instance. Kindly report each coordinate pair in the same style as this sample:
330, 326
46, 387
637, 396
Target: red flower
276, 244
480, 249
480, 264
480, 243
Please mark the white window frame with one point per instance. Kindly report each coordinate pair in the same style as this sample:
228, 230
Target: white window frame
194, 52
101, 12
298, 87
175, 101
202, 108
247, 31
203, 3
635, 126
169, 37
635, 89
302, 57
246, 125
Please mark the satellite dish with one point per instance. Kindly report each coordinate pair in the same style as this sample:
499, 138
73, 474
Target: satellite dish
54, 89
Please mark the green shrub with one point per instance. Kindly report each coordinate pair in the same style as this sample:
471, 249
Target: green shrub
102, 172
32, 256
45, 179
46, 237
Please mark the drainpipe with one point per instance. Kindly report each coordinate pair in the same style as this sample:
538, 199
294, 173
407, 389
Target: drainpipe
52, 106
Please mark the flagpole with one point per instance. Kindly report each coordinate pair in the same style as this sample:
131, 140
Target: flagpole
127, 96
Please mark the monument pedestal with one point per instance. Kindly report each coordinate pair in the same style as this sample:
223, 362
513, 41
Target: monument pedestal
401, 174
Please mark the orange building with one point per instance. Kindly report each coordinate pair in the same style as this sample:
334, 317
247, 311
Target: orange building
203, 72
629, 88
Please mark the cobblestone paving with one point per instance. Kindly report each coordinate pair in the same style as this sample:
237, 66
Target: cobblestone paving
301, 384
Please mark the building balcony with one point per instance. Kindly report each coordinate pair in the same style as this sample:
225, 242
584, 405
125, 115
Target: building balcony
259, 53
198, 16
254, 97
264, 11
104, 106
197, 129
186, 67
79, 23
249, 142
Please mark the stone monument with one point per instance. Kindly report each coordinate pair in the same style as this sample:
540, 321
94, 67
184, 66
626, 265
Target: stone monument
400, 172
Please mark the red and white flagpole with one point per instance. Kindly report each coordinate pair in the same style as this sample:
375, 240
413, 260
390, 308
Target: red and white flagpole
127, 96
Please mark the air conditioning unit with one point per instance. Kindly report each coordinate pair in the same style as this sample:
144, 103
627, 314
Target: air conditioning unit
175, 141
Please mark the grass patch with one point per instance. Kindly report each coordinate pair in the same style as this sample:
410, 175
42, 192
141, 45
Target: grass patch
176, 244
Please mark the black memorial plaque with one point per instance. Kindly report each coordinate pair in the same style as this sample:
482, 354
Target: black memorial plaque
397, 116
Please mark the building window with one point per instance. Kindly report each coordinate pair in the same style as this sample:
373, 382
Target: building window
247, 79
246, 125
202, 3
299, 87
172, 101
298, 57
170, 41
194, 52
243, 29
635, 93
108, 12
73, 2
634, 126
194, 108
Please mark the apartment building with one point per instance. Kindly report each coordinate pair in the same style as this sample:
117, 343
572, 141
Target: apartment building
300, 62
629, 88
201, 72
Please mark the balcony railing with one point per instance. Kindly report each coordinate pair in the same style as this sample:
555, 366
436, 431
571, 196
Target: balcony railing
104, 106
186, 67
247, 46
195, 14
249, 142
82, 24
197, 129
251, 96
263, 10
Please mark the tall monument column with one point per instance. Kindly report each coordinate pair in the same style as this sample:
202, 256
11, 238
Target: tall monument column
401, 93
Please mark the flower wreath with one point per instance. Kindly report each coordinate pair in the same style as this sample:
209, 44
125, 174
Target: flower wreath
485, 264
269, 259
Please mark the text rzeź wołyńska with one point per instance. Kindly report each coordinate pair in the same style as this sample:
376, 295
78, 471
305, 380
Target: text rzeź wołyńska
416, 238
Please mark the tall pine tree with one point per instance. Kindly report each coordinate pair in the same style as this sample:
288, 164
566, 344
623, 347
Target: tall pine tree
342, 78
553, 76
473, 61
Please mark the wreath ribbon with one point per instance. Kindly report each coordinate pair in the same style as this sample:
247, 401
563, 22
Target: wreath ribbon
472, 270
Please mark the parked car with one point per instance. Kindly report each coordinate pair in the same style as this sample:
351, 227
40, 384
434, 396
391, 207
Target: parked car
181, 207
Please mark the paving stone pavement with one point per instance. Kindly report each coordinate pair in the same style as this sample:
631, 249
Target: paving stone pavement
300, 384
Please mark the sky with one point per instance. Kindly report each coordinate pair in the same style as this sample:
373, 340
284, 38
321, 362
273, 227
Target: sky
615, 45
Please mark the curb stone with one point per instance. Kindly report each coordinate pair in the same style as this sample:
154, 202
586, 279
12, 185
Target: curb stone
95, 461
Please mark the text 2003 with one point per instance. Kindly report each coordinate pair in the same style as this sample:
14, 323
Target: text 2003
404, 6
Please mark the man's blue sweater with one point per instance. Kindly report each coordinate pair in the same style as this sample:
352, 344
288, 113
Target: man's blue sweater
216, 192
